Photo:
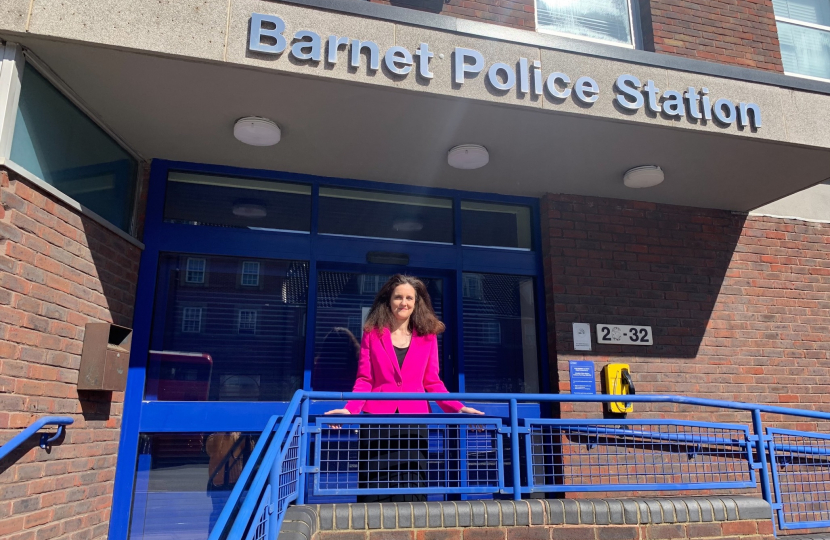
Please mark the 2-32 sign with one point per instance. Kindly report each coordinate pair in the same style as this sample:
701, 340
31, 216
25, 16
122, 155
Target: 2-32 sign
619, 334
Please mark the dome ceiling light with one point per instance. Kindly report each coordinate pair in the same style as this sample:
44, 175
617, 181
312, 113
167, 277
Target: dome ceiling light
468, 156
643, 177
257, 131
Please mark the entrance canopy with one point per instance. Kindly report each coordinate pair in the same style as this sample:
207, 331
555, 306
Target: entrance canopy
354, 122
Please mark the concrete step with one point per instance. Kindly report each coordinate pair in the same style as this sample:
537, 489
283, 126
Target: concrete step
536, 519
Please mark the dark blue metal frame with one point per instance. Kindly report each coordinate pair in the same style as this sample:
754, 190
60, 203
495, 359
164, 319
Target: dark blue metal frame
152, 416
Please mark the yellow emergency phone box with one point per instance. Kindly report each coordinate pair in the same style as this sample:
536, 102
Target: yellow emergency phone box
617, 379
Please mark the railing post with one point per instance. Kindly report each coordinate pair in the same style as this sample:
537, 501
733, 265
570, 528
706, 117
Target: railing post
274, 480
302, 451
514, 449
761, 448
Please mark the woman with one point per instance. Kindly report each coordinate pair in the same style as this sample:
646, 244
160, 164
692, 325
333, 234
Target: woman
399, 353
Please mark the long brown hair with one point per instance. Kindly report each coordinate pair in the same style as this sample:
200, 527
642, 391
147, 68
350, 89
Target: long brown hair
423, 319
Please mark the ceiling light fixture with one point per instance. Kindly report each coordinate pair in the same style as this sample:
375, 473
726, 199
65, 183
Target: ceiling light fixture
643, 177
249, 209
257, 131
407, 225
468, 156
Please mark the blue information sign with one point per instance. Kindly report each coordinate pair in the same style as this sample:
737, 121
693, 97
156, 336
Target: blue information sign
583, 378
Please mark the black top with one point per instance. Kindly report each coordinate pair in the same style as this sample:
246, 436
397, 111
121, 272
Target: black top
400, 352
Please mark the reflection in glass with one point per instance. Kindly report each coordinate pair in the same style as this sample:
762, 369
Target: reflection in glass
343, 302
59, 144
385, 215
183, 481
605, 20
500, 351
222, 339
199, 199
804, 51
497, 225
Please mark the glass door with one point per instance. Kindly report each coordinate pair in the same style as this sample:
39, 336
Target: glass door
343, 302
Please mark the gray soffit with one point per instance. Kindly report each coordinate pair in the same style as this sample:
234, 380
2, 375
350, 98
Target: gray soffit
178, 109
548, 41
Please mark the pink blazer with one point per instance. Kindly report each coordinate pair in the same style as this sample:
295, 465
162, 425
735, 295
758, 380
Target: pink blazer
378, 371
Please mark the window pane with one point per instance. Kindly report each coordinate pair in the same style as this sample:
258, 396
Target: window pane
220, 340
385, 215
58, 143
500, 352
183, 481
499, 225
606, 20
343, 302
804, 51
221, 201
811, 11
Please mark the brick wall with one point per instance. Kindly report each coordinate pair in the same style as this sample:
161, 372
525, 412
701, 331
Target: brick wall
58, 271
736, 32
738, 305
513, 13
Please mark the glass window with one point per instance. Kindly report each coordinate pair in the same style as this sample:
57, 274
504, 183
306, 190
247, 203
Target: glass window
385, 215
804, 50
809, 11
195, 270
250, 273
247, 321
183, 481
496, 225
225, 342
500, 351
601, 20
192, 320
342, 307
221, 201
58, 143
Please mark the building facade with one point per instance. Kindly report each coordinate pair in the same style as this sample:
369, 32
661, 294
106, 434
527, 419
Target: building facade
245, 271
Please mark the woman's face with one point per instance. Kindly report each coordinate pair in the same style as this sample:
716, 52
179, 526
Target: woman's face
402, 302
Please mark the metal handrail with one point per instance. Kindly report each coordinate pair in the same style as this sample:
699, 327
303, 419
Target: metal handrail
273, 444
45, 439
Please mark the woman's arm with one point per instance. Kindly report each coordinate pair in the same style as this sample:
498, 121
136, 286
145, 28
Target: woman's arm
433, 382
365, 377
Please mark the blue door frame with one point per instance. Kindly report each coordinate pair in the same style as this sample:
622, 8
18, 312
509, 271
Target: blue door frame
323, 252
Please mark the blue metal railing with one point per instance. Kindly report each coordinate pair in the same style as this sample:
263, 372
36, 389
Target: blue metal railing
374, 456
45, 439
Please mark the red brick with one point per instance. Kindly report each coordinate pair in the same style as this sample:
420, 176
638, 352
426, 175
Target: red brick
529, 533
391, 535
584, 532
438, 534
489, 533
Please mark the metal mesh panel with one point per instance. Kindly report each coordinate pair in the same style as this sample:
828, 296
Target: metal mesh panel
408, 458
289, 469
802, 477
634, 455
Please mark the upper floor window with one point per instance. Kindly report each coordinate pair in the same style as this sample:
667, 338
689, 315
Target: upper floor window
250, 273
804, 36
192, 320
607, 21
195, 272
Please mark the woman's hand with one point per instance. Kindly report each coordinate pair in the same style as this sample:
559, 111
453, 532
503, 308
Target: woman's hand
337, 411
467, 410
